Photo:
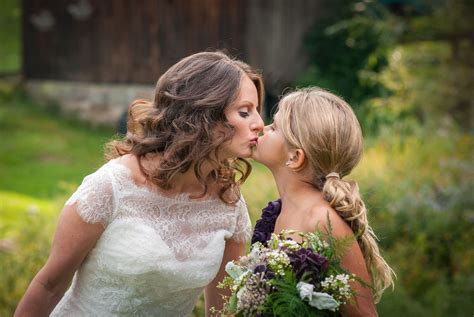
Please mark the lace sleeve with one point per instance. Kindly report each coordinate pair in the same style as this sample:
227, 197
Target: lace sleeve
94, 198
243, 225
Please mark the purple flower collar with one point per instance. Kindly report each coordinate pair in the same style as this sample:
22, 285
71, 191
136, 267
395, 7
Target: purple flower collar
266, 224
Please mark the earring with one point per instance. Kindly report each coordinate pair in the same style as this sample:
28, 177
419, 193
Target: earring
287, 163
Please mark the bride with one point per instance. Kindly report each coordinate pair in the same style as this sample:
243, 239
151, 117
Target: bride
150, 229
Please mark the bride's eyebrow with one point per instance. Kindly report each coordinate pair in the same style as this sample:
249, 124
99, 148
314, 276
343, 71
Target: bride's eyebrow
246, 103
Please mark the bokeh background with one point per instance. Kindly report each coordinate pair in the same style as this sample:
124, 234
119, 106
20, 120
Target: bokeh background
69, 68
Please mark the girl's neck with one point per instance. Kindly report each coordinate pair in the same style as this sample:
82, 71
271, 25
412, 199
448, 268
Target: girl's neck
295, 193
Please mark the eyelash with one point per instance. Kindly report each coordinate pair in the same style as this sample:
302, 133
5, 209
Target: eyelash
243, 114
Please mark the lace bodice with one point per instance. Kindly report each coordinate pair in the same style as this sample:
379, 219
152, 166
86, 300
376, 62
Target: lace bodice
156, 254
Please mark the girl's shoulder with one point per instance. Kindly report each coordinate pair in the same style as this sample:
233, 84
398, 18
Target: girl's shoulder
321, 216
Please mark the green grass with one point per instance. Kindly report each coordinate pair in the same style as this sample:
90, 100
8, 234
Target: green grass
42, 155
26, 226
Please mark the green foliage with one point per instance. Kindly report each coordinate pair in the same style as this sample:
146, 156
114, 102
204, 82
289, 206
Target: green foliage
417, 65
286, 301
347, 49
421, 205
425, 85
25, 232
10, 57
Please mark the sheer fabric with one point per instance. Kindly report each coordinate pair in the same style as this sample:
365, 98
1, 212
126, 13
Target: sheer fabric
156, 254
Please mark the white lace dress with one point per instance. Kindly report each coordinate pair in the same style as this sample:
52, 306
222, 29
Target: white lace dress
156, 254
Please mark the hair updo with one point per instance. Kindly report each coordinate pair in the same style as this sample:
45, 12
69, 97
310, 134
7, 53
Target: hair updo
181, 123
324, 126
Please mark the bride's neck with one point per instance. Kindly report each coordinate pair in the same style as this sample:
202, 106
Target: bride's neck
186, 182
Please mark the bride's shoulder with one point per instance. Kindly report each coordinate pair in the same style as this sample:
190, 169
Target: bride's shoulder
130, 161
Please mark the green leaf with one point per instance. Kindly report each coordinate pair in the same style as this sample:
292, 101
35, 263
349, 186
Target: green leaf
232, 307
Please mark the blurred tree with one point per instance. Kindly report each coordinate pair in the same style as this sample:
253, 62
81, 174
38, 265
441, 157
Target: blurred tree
347, 46
375, 53
10, 61
449, 29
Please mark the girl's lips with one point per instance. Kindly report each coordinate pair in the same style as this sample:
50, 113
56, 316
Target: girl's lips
254, 141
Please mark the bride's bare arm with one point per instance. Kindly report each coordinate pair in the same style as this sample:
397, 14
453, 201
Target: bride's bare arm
73, 240
233, 250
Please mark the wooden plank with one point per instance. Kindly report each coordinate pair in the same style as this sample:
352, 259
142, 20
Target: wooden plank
123, 41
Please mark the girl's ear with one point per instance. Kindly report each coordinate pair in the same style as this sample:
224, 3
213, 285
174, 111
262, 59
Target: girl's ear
296, 160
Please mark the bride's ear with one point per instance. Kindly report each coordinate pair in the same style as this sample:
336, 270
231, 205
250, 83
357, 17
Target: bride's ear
296, 160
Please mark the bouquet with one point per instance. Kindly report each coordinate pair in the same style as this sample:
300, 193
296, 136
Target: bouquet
289, 278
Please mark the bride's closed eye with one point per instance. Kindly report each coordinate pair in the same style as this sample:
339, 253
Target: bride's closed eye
243, 114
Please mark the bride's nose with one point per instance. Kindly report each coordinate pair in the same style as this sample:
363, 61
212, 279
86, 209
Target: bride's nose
266, 128
257, 124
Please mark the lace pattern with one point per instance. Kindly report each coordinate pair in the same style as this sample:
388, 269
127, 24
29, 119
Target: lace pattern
156, 254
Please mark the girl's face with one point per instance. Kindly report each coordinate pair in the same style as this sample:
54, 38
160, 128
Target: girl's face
245, 119
272, 148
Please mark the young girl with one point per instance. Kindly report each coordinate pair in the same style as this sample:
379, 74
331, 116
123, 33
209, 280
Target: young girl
313, 143
148, 231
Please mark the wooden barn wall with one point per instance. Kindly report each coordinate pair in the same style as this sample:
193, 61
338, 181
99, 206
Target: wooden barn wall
275, 38
135, 41
123, 41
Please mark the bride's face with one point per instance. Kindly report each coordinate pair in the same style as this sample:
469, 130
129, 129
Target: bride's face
244, 117
272, 148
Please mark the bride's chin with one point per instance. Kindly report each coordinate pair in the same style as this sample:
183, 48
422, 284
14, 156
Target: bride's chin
255, 157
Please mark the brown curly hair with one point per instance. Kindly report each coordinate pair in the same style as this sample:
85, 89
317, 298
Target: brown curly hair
182, 122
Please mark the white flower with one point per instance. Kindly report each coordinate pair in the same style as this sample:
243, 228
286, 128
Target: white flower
323, 301
233, 270
278, 261
291, 245
305, 290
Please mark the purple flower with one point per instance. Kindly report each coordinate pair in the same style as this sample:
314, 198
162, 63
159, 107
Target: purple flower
260, 269
311, 265
261, 236
267, 274
266, 224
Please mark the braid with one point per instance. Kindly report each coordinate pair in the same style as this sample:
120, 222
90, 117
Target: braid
345, 198
325, 127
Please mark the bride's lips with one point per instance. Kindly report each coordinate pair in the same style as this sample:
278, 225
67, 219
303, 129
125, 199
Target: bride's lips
254, 141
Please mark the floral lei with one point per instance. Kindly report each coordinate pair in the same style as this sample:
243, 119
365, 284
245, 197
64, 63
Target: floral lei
266, 224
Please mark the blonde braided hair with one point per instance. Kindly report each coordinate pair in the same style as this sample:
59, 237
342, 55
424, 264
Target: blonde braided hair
324, 126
